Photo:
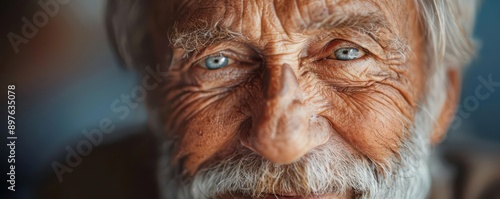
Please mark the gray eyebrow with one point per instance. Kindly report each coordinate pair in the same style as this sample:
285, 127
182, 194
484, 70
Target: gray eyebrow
199, 35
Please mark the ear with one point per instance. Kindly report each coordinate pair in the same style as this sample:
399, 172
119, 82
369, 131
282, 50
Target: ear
129, 33
447, 113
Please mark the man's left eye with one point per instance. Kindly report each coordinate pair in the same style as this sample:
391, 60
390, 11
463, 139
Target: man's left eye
216, 62
347, 53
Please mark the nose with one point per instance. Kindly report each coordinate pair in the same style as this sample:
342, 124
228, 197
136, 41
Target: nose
284, 129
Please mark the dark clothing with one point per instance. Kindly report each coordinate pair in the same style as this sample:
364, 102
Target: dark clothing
125, 169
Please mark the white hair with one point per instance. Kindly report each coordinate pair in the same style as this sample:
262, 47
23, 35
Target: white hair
448, 25
448, 28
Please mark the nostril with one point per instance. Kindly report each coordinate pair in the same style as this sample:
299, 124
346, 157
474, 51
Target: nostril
321, 127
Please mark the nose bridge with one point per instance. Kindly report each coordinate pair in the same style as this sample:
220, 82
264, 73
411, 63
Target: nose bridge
280, 83
280, 133
281, 64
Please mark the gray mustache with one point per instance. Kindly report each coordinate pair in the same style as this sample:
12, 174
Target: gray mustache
326, 170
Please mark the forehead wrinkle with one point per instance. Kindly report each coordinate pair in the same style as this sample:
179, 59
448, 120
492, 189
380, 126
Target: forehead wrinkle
306, 14
362, 16
359, 15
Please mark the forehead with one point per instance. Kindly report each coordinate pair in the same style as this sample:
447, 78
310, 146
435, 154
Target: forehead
255, 17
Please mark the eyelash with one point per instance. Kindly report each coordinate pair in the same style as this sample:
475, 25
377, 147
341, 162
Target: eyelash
331, 47
238, 60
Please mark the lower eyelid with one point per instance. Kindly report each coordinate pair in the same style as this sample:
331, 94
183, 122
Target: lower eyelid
333, 69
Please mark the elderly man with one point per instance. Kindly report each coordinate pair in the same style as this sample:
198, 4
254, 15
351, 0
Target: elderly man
297, 99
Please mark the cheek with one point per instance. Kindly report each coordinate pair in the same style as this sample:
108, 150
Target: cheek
204, 125
201, 138
374, 121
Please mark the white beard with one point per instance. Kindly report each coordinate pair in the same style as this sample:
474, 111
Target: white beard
326, 169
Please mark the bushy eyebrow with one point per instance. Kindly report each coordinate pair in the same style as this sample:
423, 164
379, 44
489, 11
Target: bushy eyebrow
194, 36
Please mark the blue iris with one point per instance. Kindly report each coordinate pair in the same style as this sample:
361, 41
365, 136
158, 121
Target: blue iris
216, 62
348, 54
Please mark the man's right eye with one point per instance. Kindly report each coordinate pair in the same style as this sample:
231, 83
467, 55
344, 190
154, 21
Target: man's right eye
346, 51
346, 54
216, 62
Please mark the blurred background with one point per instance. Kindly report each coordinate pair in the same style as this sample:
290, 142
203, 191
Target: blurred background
67, 78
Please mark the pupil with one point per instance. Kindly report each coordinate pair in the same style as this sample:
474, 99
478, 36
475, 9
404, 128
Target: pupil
345, 52
216, 62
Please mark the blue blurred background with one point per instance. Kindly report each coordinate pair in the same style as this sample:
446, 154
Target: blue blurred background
67, 78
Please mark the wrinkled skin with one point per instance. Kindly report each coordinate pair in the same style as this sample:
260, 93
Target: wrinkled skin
284, 93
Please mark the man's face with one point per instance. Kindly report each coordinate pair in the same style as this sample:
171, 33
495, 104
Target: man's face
289, 87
